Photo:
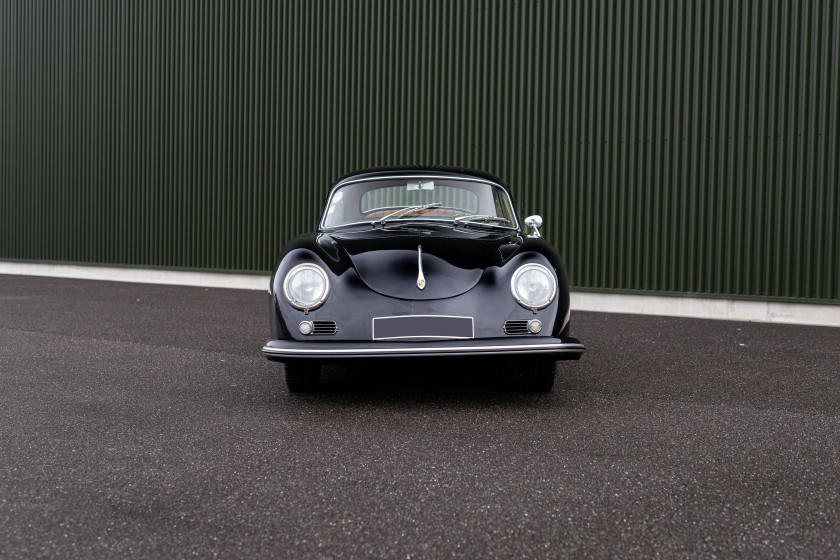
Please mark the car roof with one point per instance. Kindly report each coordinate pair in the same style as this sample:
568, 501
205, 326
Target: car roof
432, 170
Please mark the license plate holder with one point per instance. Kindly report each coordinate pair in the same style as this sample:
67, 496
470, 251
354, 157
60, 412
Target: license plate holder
423, 327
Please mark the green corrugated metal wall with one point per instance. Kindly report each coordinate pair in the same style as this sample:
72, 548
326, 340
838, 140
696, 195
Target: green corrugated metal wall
681, 147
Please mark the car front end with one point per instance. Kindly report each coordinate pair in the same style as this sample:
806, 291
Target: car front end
442, 271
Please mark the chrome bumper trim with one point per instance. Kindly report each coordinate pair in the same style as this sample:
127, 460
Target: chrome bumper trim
281, 350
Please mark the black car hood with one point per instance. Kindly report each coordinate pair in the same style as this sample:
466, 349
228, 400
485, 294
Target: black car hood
453, 259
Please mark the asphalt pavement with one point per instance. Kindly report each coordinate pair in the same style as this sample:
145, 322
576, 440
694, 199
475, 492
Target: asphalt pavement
142, 421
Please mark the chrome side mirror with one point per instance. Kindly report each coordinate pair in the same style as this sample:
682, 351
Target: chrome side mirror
534, 222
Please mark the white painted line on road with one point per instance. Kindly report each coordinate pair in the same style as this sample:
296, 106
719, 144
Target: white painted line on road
672, 306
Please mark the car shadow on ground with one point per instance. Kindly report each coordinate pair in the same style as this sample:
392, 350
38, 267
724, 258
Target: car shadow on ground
464, 383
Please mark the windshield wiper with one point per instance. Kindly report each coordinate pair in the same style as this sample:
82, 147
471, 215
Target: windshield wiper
405, 211
481, 218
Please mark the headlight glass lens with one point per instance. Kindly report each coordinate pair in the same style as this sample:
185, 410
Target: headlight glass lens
533, 286
306, 286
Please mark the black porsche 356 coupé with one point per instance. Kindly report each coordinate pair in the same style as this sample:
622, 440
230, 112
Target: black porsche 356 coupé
420, 263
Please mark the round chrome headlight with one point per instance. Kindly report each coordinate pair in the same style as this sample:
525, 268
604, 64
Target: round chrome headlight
306, 286
533, 286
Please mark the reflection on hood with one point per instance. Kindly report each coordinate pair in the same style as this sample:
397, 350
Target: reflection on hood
453, 259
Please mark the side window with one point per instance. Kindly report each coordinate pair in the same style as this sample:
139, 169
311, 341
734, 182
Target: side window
335, 213
502, 205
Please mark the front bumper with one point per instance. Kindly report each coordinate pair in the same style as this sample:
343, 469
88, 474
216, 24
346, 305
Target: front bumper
567, 348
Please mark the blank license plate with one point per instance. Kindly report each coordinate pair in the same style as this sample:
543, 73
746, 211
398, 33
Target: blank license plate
422, 326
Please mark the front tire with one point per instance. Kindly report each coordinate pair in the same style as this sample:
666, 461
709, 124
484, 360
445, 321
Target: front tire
302, 377
539, 376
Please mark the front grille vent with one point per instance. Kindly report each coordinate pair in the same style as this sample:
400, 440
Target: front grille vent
516, 327
324, 327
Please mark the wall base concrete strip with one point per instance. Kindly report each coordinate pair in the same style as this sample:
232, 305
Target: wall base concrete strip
140, 275
702, 308
708, 308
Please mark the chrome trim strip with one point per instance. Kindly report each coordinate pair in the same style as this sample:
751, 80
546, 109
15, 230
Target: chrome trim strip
351, 180
569, 347
398, 316
421, 280
426, 337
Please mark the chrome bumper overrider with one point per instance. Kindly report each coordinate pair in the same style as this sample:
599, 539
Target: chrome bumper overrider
558, 348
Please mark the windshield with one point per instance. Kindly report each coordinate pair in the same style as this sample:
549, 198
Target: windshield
453, 200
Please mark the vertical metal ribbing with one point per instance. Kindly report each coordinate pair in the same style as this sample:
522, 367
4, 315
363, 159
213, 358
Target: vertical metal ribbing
686, 147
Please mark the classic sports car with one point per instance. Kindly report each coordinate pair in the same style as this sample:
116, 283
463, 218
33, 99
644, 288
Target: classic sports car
420, 263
